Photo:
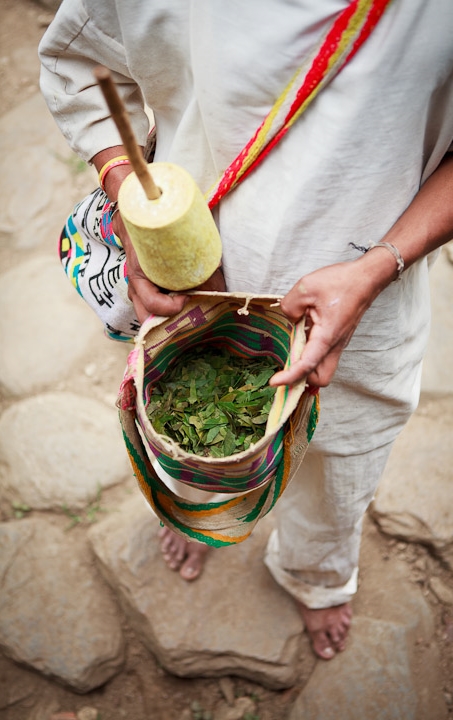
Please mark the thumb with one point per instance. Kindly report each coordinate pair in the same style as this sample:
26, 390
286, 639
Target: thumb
317, 364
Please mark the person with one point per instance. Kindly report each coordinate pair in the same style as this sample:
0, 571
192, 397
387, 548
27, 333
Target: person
368, 162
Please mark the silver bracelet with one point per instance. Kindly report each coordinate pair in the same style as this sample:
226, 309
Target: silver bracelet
396, 254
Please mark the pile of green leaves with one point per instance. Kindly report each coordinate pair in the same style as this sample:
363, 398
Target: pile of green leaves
212, 402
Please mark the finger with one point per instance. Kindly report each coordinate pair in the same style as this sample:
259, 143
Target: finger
314, 352
321, 376
296, 302
294, 374
317, 365
140, 310
325, 371
153, 302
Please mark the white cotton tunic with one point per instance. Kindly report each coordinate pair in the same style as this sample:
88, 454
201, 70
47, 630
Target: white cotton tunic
211, 70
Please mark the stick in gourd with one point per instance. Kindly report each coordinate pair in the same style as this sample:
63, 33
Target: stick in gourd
122, 122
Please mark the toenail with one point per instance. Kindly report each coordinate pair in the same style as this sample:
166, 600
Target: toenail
328, 653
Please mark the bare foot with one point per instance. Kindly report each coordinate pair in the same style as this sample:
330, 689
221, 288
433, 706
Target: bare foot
327, 628
187, 557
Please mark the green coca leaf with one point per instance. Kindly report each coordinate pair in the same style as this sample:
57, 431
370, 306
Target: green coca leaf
213, 402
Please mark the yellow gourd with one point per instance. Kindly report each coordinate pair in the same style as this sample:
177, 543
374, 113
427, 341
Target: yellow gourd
175, 237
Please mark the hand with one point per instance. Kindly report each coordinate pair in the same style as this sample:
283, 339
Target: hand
335, 298
146, 297
333, 301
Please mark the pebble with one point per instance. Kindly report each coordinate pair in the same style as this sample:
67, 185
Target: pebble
227, 688
88, 713
420, 564
90, 370
442, 592
243, 706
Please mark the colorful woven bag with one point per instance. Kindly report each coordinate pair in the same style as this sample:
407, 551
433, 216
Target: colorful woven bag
248, 327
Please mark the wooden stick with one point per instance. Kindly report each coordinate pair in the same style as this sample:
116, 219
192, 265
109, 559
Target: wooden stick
121, 119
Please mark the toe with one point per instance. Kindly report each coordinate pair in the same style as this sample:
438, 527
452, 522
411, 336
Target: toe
172, 559
165, 537
172, 562
338, 642
173, 548
337, 637
194, 562
190, 570
322, 647
181, 555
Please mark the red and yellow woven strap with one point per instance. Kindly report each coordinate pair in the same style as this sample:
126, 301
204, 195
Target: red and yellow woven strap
348, 32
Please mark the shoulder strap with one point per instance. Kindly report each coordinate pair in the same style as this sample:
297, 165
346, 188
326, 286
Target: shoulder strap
348, 32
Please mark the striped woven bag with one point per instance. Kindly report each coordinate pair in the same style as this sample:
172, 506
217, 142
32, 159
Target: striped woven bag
246, 325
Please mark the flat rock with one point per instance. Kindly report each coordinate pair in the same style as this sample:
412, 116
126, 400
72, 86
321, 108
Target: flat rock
233, 621
60, 449
414, 501
57, 615
378, 660
31, 150
45, 326
382, 584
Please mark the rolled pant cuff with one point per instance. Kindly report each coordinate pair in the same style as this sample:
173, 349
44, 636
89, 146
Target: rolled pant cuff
314, 597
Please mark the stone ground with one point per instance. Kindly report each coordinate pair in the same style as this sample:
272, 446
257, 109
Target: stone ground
92, 624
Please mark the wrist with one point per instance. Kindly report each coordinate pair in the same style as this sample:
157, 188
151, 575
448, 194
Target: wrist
393, 250
114, 180
113, 167
110, 165
379, 268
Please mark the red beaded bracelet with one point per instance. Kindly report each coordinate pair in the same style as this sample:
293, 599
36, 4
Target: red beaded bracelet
109, 165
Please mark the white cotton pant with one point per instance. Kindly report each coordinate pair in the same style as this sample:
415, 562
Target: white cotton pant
314, 550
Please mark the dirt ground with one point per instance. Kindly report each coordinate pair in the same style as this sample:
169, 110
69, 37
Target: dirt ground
144, 690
